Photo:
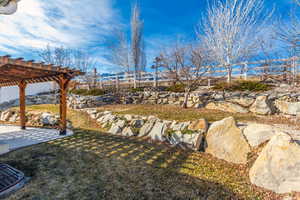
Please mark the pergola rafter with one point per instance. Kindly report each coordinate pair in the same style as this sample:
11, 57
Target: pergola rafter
18, 72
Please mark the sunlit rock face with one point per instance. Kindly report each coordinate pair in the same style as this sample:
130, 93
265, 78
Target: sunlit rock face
8, 7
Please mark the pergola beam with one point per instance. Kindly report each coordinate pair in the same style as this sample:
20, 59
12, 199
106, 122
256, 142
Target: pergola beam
22, 87
17, 72
63, 83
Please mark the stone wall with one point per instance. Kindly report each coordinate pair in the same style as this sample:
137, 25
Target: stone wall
276, 101
275, 148
267, 103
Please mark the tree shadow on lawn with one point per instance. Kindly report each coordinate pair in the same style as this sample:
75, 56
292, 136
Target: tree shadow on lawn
94, 165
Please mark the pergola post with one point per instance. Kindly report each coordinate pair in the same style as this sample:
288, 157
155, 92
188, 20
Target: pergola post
63, 83
22, 86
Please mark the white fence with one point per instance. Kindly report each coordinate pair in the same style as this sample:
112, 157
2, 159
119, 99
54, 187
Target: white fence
287, 68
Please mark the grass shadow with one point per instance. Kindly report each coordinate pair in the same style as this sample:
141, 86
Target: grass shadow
96, 165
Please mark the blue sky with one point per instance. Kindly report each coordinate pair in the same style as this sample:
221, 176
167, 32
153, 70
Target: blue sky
87, 24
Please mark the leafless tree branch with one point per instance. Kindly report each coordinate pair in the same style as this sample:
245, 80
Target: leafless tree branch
231, 28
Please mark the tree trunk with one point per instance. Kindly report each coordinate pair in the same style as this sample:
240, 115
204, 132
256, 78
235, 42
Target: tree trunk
229, 76
186, 97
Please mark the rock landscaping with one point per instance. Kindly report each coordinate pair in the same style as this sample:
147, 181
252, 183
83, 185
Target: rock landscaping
272, 151
277, 165
40, 119
276, 101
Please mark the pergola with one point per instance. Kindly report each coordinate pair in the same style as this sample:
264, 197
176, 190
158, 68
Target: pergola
17, 72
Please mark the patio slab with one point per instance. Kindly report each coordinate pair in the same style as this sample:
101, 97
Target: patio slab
12, 137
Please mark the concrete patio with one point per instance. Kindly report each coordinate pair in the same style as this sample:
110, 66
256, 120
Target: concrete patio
12, 137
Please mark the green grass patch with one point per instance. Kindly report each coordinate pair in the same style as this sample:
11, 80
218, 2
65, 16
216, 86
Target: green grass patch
253, 86
86, 92
170, 112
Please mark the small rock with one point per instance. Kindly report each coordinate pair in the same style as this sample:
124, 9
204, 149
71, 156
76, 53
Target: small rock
193, 141
158, 132
243, 101
146, 128
137, 123
200, 125
261, 106
115, 129
226, 107
179, 126
290, 108
127, 132
128, 117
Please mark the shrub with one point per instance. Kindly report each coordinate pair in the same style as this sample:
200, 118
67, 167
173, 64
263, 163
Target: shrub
137, 90
86, 92
95, 92
176, 88
253, 86
78, 91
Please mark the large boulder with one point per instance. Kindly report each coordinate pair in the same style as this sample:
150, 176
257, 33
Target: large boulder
192, 141
226, 107
243, 101
290, 108
278, 166
226, 141
261, 106
158, 131
257, 134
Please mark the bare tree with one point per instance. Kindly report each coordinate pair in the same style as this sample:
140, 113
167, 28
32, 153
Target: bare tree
137, 43
230, 30
185, 64
289, 34
130, 53
73, 58
120, 50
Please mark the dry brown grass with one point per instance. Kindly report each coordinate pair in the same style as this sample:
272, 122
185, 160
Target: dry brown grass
95, 165
170, 112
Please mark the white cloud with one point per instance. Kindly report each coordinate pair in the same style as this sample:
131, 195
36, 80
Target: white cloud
71, 23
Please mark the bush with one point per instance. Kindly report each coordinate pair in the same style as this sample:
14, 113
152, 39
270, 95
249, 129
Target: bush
78, 91
86, 92
137, 90
253, 86
95, 92
176, 88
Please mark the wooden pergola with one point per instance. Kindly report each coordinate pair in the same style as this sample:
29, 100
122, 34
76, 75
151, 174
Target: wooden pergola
17, 72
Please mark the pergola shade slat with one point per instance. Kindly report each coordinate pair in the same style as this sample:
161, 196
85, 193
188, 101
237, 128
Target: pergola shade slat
17, 72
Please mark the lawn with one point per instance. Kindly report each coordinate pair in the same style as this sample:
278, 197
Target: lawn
95, 165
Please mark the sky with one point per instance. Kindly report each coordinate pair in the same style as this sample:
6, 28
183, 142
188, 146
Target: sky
88, 24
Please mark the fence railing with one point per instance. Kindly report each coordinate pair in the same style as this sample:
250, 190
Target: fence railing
287, 68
